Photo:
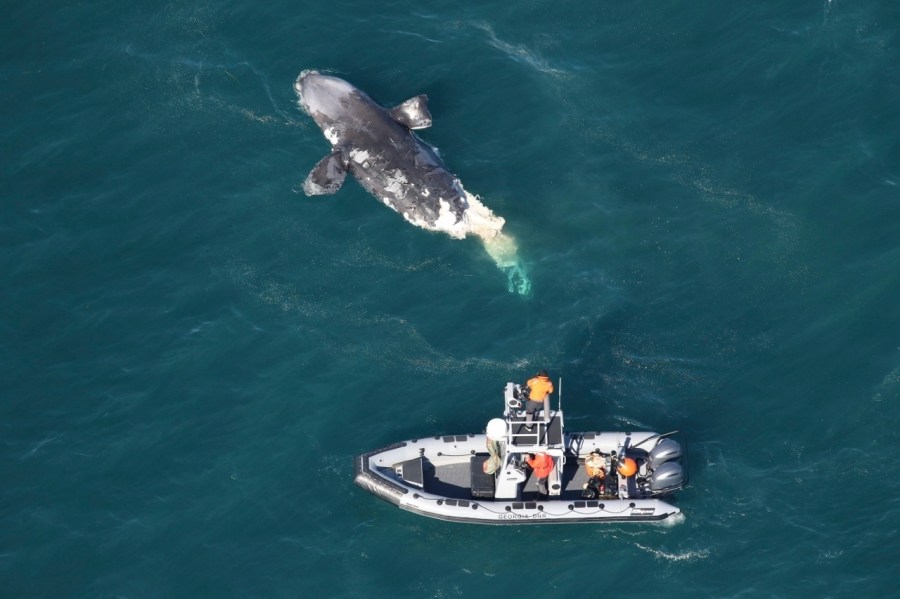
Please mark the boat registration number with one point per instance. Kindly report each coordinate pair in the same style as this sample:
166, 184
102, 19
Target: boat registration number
536, 516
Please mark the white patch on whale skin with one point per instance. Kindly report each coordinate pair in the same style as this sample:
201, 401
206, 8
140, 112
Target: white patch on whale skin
359, 156
480, 220
395, 182
446, 221
331, 134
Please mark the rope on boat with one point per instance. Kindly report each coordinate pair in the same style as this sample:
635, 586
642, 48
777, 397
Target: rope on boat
569, 511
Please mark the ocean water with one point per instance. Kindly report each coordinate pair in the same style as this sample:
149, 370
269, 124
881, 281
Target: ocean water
706, 196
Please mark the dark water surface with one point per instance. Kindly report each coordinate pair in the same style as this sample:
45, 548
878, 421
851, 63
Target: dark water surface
706, 195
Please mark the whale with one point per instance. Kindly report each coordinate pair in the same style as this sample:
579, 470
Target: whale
378, 147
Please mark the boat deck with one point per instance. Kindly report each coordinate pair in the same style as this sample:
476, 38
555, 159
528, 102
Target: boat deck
454, 481
541, 434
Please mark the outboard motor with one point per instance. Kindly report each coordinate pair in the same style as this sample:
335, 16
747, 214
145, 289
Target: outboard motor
666, 450
667, 476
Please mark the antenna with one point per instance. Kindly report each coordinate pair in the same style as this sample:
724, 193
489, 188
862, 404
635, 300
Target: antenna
559, 398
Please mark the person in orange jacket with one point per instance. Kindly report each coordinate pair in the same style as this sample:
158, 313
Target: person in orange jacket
542, 464
540, 387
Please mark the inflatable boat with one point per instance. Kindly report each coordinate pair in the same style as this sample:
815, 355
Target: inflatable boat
485, 478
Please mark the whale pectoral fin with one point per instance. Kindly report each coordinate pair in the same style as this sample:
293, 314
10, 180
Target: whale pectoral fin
327, 176
413, 113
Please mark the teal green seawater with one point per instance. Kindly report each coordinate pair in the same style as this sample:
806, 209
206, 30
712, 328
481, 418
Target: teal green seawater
706, 196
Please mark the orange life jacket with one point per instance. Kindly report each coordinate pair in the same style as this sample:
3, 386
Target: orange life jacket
541, 387
542, 464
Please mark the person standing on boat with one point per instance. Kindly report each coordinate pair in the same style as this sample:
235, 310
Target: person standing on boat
540, 387
542, 464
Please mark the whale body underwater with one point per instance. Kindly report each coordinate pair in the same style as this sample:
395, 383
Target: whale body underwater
378, 147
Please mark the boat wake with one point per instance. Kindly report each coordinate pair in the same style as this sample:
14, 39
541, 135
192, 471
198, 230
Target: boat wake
676, 557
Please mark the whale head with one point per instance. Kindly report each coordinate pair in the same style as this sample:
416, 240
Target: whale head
323, 96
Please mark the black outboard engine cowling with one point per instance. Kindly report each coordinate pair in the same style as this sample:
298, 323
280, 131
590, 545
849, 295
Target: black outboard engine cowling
666, 450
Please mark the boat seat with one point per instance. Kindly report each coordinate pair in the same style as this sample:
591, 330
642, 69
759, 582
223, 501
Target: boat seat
412, 471
554, 481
